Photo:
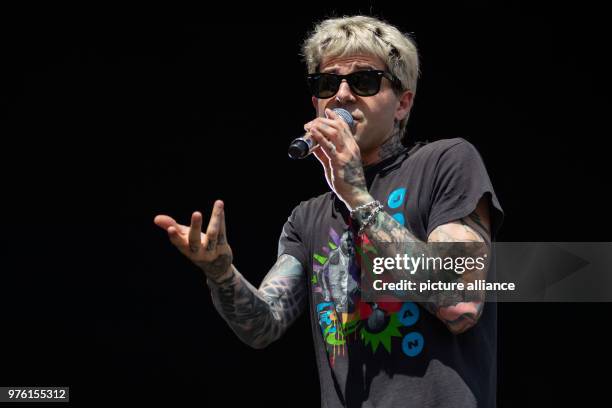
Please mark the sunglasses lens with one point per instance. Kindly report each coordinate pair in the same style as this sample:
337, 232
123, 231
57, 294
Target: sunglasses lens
323, 86
365, 83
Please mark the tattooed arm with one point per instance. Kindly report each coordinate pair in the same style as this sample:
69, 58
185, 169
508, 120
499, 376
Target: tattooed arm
452, 308
257, 316
261, 316
473, 228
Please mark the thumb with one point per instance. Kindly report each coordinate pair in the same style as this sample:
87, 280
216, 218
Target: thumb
331, 114
163, 221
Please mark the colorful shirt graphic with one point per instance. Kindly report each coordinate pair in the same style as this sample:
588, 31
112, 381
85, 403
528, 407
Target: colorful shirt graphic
388, 353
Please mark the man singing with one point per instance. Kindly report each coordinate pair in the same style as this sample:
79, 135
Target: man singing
432, 352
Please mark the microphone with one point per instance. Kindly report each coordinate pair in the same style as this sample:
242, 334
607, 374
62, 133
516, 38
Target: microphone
303, 146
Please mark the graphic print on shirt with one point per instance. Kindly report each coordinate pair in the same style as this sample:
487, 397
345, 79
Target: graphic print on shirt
342, 316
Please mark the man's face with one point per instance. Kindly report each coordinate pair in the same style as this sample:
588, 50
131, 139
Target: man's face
374, 115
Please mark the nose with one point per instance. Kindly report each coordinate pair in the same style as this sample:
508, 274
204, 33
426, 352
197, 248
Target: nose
344, 92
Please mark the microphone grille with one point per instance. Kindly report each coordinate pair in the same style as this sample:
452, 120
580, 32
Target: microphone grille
345, 115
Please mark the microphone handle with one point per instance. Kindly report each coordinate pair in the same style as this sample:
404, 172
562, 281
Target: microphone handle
302, 146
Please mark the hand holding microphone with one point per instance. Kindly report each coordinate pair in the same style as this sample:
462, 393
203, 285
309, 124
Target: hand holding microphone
303, 146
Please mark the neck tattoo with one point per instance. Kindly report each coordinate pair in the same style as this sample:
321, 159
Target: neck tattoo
392, 146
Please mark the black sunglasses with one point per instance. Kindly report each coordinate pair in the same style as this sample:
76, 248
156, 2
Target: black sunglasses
363, 83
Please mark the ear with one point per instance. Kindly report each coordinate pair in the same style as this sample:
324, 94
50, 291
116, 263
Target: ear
314, 103
405, 104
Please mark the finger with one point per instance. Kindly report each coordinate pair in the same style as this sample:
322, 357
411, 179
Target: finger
195, 232
337, 119
331, 131
163, 221
222, 233
333, 117
345, 130
324, 143
328, 147
214, 225
331, 114
308, 125
175, 237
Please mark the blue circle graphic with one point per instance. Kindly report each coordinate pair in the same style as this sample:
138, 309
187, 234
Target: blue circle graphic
399, 217
396, 198
408, 314
412, 345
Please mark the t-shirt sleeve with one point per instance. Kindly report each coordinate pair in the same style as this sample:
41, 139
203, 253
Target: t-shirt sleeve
290, 241
461, 179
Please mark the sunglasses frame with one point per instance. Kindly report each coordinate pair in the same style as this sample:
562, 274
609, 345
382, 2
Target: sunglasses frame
379, 74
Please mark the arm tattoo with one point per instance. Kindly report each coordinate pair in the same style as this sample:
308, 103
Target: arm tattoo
476, 219
458, 310
217, 268
261, 316
353, 175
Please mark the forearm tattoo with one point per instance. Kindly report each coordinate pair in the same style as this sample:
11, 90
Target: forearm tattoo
459, 310
354, 176
261, 316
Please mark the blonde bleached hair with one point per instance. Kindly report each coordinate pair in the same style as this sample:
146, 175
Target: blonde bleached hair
346, 36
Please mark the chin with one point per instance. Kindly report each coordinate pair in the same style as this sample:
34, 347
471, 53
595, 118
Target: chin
364, 143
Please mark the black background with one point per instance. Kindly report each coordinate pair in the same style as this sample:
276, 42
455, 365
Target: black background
114, 116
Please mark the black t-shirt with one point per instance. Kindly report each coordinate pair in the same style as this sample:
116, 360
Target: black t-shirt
395, 354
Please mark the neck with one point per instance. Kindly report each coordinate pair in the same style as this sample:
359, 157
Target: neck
390, 147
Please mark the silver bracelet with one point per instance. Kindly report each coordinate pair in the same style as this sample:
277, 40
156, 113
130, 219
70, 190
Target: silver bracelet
371, 210
372, 204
